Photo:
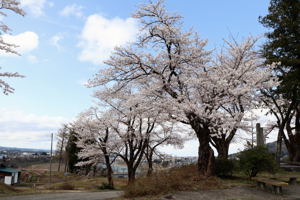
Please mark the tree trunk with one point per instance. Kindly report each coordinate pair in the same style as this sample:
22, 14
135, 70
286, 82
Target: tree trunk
293, 140
109, 172
150, 168
131, 175
223, 149
206, 158
150, 163
222, 143
297, 137
279, 144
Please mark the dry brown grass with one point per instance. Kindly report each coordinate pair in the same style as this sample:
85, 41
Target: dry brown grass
6, 189
175, 179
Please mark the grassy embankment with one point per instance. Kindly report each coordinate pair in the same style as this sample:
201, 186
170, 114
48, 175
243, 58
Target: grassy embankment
186, 179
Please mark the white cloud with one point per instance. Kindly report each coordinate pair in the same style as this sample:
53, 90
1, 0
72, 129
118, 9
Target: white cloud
26, 42
72, 10
35, 7
21, 129
101, 35
55, 41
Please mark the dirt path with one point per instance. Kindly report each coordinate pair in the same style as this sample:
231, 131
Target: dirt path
237, 193
67, 196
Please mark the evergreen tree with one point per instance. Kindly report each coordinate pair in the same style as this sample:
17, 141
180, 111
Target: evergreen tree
72, 151
283, 45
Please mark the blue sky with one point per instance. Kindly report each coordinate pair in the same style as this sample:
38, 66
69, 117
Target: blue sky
63, 43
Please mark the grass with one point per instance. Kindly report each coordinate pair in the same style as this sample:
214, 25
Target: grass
186, 179
40, 177
85, 183
6, 189
183, 178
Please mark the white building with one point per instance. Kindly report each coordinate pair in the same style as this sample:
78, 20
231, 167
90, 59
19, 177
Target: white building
9, 176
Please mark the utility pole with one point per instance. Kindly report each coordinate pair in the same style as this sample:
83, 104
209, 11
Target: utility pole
252, 131
51, 159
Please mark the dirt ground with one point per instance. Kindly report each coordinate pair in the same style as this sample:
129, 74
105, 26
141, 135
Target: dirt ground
67, 196
238, 193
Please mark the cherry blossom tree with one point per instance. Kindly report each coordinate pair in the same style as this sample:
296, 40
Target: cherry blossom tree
12, 5
246, 75
97, 141
139, 126
194, 87
134, 122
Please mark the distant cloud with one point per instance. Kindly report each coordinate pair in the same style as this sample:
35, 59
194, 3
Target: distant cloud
100, 36
26, 42
54, 41
35, 7
72, 10
27, 130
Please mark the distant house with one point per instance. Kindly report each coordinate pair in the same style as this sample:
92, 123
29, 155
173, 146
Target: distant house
3, 156
9, 176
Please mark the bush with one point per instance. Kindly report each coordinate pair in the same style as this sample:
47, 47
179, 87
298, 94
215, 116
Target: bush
256, 160
62, 186
105, 186
66, 186
175, 179
224, 167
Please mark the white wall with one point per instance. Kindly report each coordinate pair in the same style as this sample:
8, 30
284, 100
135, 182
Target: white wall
16, 177
8, 180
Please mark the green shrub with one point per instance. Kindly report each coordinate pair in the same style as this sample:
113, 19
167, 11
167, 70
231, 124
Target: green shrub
105, 186
256, 160
224, 167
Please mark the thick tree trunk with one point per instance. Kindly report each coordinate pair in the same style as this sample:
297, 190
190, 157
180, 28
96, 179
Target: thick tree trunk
206, 159
109, 171
222, 143
296, 157
223, 150
293, 140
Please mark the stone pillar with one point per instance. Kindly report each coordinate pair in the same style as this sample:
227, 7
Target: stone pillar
260, 139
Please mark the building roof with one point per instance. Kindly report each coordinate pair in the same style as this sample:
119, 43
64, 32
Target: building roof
9, 170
